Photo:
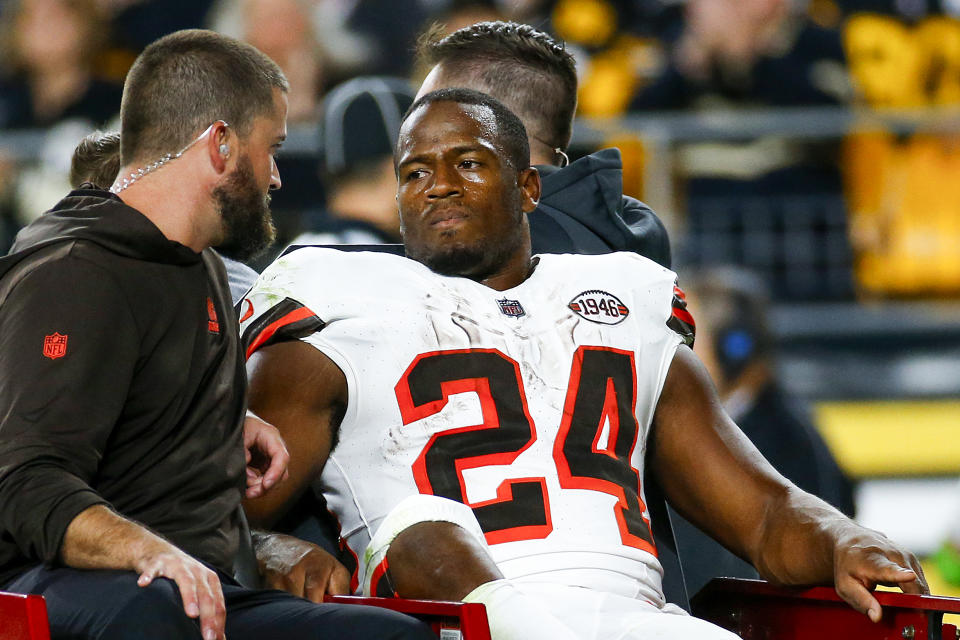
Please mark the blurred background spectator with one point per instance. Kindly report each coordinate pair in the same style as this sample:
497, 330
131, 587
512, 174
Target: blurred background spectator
361, 120
736, 344
783, 193
814, 142
49, 77
284, 30
51, 49
738, 53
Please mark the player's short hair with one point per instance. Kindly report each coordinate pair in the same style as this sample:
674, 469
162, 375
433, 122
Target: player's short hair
184, 82
96, 160
526, 69
511, 134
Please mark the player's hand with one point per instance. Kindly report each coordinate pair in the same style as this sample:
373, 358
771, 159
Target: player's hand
199, 587
299, 567
267, 456
865, 558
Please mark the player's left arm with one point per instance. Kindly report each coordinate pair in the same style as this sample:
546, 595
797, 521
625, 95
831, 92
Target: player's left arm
715, 477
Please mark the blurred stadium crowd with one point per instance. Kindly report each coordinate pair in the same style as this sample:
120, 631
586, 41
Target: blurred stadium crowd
813, 142
828, 211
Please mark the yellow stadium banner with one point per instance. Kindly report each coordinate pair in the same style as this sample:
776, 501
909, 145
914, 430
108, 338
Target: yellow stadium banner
878, 438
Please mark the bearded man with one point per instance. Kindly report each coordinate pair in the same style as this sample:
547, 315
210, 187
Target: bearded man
123, 422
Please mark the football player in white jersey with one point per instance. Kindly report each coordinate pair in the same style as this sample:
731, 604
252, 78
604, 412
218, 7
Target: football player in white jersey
479, 418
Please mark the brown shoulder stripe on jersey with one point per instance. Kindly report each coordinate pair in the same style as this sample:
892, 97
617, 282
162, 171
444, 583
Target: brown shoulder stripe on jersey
680, 319
287, 320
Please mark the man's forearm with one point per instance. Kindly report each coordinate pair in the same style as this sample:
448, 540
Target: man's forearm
806, 541
99, 538
800, 535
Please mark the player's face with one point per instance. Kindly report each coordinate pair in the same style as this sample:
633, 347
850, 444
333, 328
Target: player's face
462, 205
244, 198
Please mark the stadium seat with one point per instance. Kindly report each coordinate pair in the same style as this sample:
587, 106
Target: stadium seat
752, 609
755, 610
449, 620
23, 617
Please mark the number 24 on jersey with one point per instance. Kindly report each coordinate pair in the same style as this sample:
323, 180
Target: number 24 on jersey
602, 390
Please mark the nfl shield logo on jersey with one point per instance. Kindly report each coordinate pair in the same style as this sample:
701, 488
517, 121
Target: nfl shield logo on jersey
55, 346
511, 308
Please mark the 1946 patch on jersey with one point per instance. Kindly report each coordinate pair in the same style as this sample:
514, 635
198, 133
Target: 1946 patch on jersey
599, 306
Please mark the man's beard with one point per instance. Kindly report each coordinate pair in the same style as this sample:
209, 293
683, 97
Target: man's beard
247, 224
476, 261
464, 261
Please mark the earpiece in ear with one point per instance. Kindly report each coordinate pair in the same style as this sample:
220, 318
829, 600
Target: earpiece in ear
224, 149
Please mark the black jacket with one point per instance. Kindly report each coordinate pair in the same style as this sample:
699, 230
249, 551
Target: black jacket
121, 383
583, 210
785, 434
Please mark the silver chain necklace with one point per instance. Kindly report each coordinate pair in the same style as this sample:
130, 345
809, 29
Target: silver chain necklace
122, 183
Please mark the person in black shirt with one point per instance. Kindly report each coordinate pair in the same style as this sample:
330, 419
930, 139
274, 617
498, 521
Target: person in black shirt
121, 380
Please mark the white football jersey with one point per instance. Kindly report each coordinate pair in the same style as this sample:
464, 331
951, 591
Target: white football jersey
531, 405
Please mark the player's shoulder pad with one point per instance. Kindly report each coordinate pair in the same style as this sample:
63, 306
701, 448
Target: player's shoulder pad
278, 306
295, 296
635, 266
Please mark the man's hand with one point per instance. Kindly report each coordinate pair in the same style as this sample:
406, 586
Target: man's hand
299, 567
267, 456
865, 558
199, 586
98, 538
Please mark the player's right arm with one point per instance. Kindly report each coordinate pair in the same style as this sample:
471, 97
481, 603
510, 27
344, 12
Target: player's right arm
301, 392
